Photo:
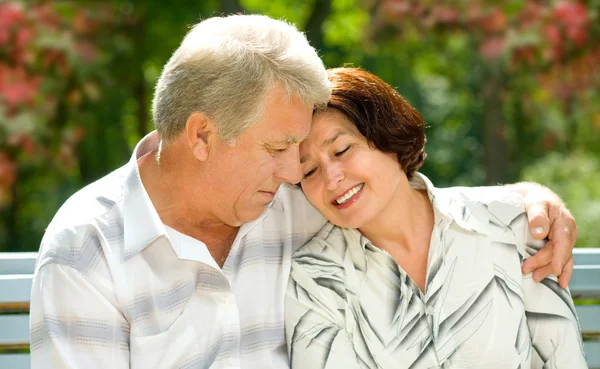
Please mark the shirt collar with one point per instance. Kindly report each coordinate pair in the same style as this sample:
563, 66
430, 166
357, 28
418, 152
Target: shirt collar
141, 222
451, 205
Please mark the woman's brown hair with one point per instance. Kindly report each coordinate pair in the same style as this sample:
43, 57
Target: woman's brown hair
384, 117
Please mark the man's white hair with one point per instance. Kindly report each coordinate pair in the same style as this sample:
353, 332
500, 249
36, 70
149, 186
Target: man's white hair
225, 67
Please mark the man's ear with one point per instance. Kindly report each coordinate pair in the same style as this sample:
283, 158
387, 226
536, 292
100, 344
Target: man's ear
199, 131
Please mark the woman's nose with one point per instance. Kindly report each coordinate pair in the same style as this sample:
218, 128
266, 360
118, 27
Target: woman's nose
333, 176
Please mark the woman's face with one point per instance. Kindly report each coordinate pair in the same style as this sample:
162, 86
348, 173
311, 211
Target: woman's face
345, 179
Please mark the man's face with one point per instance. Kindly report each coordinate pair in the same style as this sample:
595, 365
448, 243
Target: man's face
247, 174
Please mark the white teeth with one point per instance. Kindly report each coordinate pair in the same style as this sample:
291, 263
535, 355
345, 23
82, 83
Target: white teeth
348, 195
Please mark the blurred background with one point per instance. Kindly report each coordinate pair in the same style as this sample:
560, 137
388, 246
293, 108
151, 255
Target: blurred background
510, 92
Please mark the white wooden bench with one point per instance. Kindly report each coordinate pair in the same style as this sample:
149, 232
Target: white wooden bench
16, 271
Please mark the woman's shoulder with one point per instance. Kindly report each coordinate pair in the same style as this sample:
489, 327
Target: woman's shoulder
500, 213
496, 205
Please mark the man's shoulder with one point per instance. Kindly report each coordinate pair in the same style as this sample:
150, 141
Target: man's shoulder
90, 202
328, 244
73, 236
292, 216
295, 204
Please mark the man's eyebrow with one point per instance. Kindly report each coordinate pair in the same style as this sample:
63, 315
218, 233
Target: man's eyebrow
327, 142
287, 140
284, 141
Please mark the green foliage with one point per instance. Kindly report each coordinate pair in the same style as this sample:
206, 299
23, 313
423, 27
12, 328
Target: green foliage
86, 72
575, 178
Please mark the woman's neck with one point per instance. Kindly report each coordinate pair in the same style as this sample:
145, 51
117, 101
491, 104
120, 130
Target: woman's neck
404, 231
406, 223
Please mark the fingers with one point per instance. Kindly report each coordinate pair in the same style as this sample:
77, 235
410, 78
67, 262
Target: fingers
570, 221
542, 264
539, 221
563, 241
539, 260
548, 217
567, 272
543, 267
542, 273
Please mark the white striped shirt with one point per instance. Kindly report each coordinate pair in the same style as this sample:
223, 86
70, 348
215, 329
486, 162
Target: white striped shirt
116, 288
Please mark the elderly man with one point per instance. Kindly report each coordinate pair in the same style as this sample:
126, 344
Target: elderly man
180, 258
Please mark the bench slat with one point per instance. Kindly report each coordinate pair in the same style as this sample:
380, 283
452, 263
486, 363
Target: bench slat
14, 329
592, 354
589, 318
585, 283
17, 262
22, 361
15, 288
586, 256
15, 361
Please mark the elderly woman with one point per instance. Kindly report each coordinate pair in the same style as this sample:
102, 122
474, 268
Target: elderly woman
406, 275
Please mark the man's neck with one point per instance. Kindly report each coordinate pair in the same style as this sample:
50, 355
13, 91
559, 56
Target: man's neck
217, 238
177, 210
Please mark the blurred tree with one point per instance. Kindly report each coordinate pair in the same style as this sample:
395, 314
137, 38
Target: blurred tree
575, 177
500, 85
531, 55
50, 68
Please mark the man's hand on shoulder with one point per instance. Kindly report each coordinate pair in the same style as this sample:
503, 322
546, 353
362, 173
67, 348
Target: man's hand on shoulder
549, 218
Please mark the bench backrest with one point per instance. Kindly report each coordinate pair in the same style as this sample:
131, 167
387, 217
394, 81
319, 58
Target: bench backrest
16, 274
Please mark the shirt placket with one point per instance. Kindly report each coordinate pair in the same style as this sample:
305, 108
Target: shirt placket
438, 237
231, 327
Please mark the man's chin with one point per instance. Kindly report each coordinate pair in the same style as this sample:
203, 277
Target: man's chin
249, 215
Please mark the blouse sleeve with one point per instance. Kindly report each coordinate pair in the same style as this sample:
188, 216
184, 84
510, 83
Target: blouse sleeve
551, 317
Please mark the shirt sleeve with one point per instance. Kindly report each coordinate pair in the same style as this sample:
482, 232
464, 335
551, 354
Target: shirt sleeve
75, 322
316, 333
551, 317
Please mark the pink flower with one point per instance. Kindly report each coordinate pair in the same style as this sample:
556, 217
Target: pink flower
552, 33
492, 48
445, 14
571, 14
10, 15
24, 37
574, 17
16, 87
